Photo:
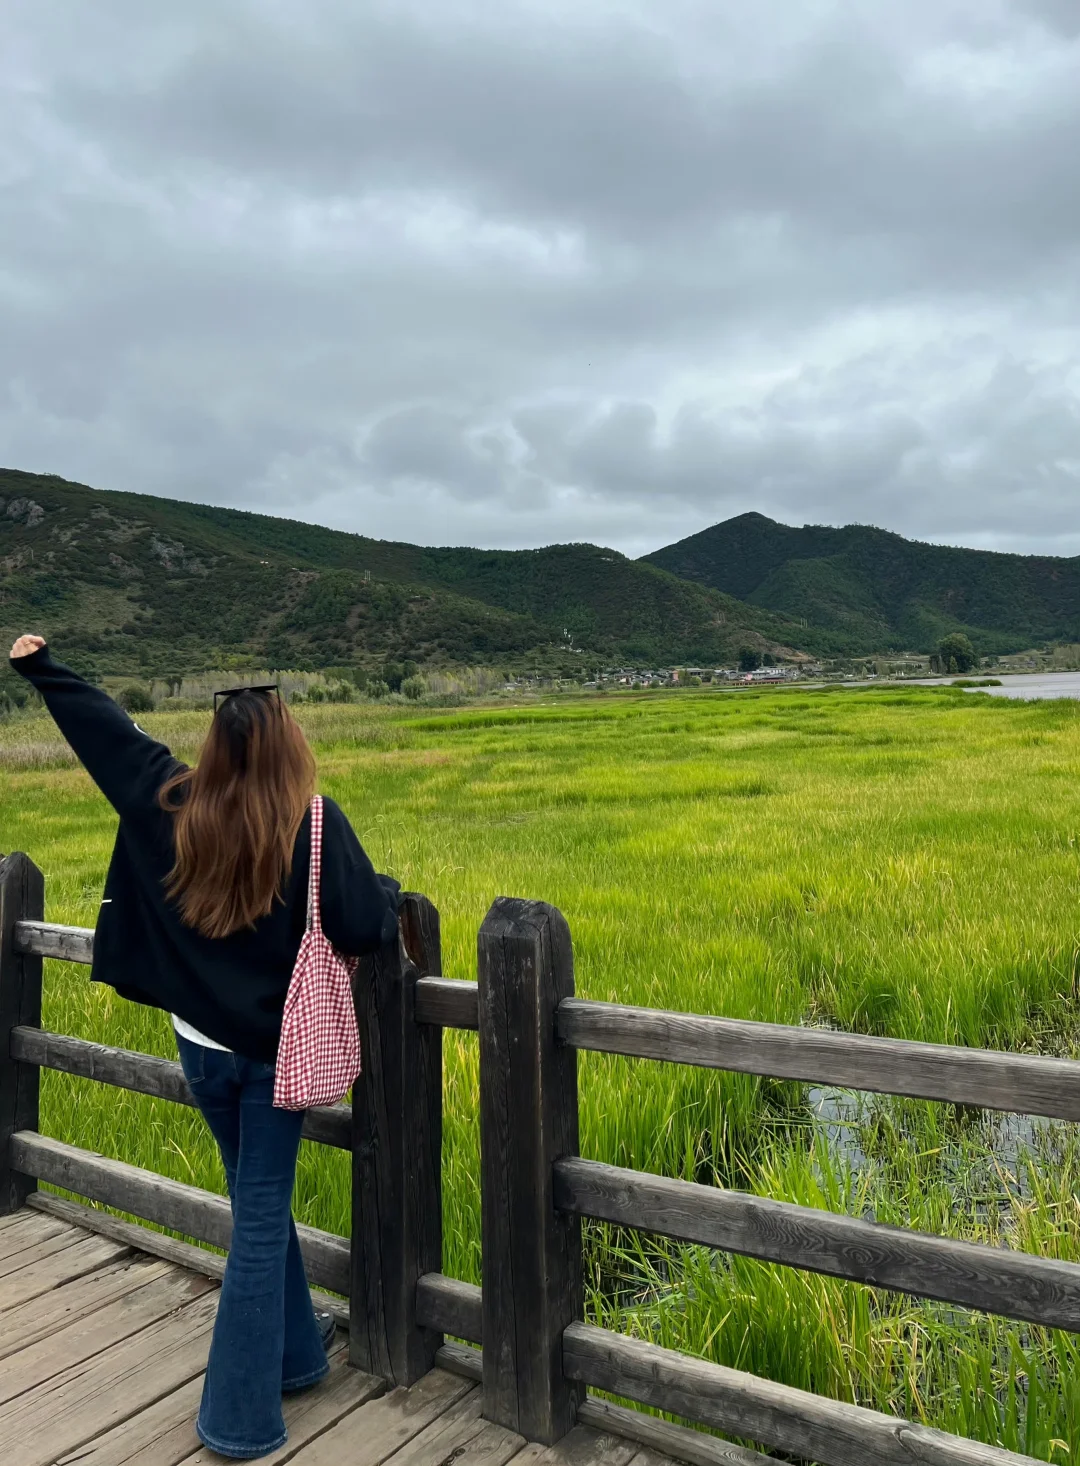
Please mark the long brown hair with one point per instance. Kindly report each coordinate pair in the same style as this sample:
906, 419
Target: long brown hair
238, 814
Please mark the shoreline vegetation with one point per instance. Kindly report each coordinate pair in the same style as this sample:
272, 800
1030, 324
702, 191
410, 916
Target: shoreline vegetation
894, 860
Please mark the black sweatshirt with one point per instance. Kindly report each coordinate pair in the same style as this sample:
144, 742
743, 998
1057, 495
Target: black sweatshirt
230, 988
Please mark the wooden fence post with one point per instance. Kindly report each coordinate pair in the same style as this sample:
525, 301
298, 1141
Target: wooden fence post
397, 1154
528, 1120
22, 898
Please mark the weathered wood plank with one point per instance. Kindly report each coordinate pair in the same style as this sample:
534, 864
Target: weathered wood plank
160, 1434
87, 1255
27, 1230
447, 1002
182, 1208
397, 1155
149, 1074
158, 1244
163, 1434
582, 1447
493, 1445
461, 1359
368, 1436
36, 1318
674, 1442
31, 1256
528, 1118
11, 1219
86, 1400
81, 1338
445, 1435
450, 1306
1018, 1083
461, 1435
787, 1419
50, 939
307, 1415
22, 896
1013, 1284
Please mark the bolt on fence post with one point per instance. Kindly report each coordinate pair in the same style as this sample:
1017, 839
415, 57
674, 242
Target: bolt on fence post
22, 898
528, 1120
397, 1153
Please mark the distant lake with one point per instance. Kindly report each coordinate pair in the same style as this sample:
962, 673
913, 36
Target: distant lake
1030, 685
1026, 685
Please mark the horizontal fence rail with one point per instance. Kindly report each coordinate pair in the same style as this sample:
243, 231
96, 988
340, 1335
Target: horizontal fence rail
49, 939
450, 1306
443, 1002
1022, 1084
204, 1215
447, 1002
806, 1425
969, 1274
149, 1074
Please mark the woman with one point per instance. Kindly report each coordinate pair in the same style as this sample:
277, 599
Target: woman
203, 912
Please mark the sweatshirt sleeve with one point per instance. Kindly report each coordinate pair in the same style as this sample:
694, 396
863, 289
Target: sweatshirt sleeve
357, 905
127, 765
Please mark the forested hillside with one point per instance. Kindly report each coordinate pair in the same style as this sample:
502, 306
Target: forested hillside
869, 590
132, 584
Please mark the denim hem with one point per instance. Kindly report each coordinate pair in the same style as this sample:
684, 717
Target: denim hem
245, 1452
290, 1386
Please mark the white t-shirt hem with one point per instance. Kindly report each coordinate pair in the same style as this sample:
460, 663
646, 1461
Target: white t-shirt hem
193, 1035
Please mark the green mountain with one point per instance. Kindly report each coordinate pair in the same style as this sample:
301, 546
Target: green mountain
132, 584
865, 589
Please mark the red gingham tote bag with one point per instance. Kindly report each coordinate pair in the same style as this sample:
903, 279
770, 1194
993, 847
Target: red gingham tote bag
319, 1053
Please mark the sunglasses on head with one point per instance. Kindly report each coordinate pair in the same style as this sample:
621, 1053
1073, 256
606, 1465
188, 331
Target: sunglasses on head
227, 692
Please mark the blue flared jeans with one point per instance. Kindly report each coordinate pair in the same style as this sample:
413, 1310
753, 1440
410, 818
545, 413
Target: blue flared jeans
266, 1340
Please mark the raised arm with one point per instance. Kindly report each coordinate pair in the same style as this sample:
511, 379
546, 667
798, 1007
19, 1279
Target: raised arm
127, 765
358, 906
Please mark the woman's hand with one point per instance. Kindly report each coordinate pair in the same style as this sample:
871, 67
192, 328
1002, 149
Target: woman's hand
27, 644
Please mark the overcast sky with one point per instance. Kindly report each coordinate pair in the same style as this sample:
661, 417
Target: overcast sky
467, 272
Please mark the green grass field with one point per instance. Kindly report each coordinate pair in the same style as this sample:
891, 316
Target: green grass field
899, 862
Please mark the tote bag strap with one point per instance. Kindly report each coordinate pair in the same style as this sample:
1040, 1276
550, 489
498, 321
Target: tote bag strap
315, 865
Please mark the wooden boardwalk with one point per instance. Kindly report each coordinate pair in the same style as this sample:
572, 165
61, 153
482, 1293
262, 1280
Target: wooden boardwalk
102, 1350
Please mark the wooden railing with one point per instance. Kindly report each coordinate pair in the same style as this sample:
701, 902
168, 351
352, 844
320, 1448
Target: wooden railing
538, 1355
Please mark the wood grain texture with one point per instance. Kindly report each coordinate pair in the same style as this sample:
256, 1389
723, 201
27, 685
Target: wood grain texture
89, 1334
307, 1415
447, 1002
23, 1228
160, 1434
75, 1298
673, 1441
50, 939
29, 1257
450, 1306
149, 1074
163, 1434
25, 1291
157, 1244
86, 1400
582, 1447
1018, 1083
461, 1359
373, 1434
22, 897
397, 1155
809, 1426
528, 1119
188, 1209
1013, 1284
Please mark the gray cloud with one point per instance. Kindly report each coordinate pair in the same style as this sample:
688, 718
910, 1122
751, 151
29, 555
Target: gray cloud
550, 271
